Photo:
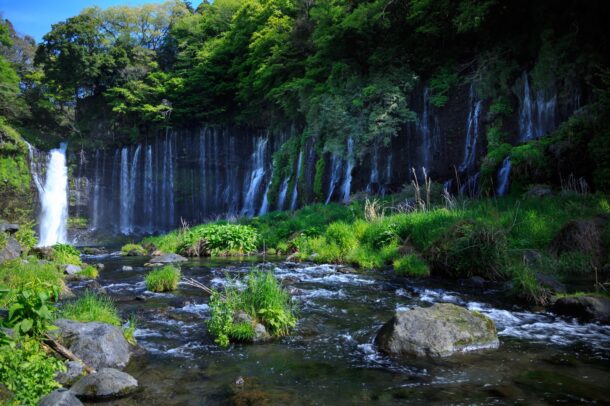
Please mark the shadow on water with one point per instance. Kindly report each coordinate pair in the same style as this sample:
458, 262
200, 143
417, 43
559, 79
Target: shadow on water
330, 358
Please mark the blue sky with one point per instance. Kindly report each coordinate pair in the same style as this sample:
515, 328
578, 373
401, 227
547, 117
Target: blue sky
34, 17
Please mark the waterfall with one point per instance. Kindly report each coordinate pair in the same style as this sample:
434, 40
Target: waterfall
388, 176
148, 189
202, 169
424, 129
471, 187
124, 192
335, 174
95, 207
374, 177
349, 167
293, 203
536, 117
54, 199
503, 177
281, 199
472, 133
257, 174
265, 205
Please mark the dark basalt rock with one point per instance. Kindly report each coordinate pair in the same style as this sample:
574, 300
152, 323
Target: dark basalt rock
585, 308
60, 397
107, 383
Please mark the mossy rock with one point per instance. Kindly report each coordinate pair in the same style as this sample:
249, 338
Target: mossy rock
438, 331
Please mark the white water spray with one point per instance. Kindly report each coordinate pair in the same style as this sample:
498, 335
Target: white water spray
54, 199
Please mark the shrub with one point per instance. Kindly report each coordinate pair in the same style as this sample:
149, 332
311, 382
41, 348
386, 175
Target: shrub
163, 280
27, 371
282, 248
218, 240
342, 235
263, 299
411, 265
26, 237
92, 307
65, 254
470, 248
271, 251
30, 313
136, 249
574, 263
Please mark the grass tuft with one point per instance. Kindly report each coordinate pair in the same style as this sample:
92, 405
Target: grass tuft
163, 279
92, 307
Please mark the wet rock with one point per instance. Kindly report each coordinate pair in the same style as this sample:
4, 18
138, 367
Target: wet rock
106, 383
584, 237
11, 250
127, 268
549, 282
74, 371
346, 269
585, 308
290, 280
72, 269
99, 266
153, 265
99, 345
540, 191
438, 331
260, 332
94, 251
60, 397
157, 253
240, 381
475, 282
140, 298
168, 259
66, 293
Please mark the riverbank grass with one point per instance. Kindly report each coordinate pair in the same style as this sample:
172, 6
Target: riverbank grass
133, 249
92, 307
163, 280
263, 300
37, 276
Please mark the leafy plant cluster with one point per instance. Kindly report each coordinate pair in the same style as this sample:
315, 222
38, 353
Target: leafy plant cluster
263, 299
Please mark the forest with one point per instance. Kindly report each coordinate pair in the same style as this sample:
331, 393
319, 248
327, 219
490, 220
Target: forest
307, 202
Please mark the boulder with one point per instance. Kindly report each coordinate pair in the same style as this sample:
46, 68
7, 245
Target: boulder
99, 266
585, 308
60, 397
549, 282
11, 250
72, 269
99, 345
107, 383
168, 259
585, 237
127, 268
437, 331
74, 371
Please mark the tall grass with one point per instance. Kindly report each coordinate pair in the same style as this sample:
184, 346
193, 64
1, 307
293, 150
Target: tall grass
163, 280
92, 307
33, 275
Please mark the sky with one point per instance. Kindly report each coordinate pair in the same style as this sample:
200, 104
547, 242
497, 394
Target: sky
34, 17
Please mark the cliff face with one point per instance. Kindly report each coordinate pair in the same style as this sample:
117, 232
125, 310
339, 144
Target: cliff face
198, 174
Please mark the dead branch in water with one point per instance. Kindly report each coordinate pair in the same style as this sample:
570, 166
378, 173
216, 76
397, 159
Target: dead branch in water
56, 347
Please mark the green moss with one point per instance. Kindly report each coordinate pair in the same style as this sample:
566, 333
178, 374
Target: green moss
133, 248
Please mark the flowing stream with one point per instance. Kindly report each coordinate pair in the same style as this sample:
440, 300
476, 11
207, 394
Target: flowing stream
331, 358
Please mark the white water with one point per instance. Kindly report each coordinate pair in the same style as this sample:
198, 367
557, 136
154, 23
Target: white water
335, 174
472, 133
54, 199
281, 199
424, 129
503, 177
374, 177
293, 202
347, 180
257, 174
536, 116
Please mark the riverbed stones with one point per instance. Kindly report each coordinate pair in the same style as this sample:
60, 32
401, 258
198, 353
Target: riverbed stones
168, 259
127, 268
60, 397
107, 383
260, 332
99, 345
72, 269
437, 331
585, 308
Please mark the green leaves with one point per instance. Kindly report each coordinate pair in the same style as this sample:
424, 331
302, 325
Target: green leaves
31, 314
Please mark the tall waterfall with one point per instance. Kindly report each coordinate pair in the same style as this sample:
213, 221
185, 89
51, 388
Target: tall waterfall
424, 129
472, 133
335, 174
349, 167
536, 114
294, 201
374, 177
503, 177
54, 200
281, 198
257, 174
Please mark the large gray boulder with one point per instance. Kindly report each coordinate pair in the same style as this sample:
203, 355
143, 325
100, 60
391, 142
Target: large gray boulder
168, 259
586, 307
437, 331
106, 383
11, 250
99, 345
74, 371
60, 397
